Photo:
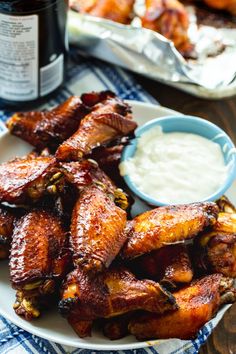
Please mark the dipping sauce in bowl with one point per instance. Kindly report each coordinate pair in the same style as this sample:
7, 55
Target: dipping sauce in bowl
175, 167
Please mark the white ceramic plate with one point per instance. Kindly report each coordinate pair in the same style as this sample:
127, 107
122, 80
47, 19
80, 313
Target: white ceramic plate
52, 326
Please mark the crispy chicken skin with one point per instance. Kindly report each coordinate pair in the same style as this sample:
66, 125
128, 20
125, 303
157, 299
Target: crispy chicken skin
97, 230
38, 259
7, 218
112, 293
215, 251
169, 18
227, 5
116, 10
108, 121
48, 128
169, 265
197, 303
26, 180
167, 225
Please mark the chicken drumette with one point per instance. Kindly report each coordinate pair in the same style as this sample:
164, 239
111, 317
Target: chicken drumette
112, 293
197, 304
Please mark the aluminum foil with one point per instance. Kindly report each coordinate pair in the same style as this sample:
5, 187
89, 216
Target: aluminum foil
149, 53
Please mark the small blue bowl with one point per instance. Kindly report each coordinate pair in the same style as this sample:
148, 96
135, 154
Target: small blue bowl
192, 125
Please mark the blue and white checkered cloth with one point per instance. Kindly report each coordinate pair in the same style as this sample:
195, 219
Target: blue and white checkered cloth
83, 76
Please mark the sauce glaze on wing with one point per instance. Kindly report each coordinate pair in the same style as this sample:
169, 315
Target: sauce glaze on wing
167, 225
197, 302
48, 128
108, 121
97, 230
112, 293
25, 179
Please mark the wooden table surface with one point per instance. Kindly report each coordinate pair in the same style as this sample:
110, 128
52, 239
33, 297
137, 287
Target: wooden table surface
223, 113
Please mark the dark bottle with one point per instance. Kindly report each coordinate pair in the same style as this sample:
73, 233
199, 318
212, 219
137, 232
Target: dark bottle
33, 45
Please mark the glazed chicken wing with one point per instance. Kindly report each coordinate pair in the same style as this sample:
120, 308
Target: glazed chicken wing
26, 180
7, 218
215, 251
108, 121
169, 18
115, 10
48, 128
38, 260
167, 225
169, 265
197, 303
97, 229
227, 5
112, 293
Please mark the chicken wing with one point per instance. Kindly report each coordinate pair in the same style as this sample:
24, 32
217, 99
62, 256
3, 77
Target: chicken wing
97, 230
116, 10
112, 293
167, 225
169, 18
215, 251
26, 180
108, 121
197, 303
169, 265
227, 5
38, 260
48, 128
7, 218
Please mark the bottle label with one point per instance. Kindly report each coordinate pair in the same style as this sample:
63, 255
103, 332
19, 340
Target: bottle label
51, 75
18, 57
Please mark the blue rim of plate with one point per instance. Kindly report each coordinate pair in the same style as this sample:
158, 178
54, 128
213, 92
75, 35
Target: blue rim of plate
207, 127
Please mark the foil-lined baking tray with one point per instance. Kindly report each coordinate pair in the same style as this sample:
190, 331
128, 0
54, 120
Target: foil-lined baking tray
211, 75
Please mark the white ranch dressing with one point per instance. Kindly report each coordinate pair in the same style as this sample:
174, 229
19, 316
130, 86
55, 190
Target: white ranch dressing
176, 167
